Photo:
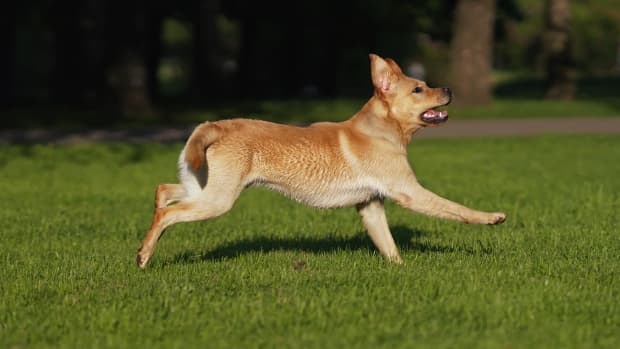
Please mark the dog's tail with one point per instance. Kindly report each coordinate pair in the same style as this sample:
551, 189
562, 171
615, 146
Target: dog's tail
203, 136
193, 157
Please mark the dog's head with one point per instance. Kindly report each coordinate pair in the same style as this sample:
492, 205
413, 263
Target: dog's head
409, 100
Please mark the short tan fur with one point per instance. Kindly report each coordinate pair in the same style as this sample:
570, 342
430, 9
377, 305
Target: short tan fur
358, 162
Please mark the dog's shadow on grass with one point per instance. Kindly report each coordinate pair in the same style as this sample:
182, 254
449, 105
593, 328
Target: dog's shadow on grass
405, 238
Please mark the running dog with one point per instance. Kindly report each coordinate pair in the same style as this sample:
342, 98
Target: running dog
358, 162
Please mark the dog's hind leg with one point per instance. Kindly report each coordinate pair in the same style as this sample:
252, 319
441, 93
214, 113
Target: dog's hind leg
168, 193
373, 217
217, 198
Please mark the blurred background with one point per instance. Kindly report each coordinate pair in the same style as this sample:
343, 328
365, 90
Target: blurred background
135, 62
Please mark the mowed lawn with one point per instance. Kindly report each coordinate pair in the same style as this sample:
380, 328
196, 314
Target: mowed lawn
274, 274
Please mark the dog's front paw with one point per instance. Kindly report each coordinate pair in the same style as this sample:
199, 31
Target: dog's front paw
496, 218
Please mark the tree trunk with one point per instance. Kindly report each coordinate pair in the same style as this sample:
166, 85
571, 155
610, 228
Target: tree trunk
472, 51
559, 62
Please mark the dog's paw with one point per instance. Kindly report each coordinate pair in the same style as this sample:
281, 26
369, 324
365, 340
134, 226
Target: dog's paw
142, 258
496, 218
395, 258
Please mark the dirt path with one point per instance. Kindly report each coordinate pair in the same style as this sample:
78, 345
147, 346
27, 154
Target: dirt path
452, 129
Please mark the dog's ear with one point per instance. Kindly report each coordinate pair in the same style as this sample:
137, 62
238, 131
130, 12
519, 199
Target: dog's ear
394, 66
383, 76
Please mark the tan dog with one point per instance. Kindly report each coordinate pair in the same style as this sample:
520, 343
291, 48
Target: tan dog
356, 162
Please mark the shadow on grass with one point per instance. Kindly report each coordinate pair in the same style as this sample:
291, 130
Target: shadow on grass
404, 237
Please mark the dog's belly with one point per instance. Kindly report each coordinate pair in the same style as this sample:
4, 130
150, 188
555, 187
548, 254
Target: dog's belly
327, 195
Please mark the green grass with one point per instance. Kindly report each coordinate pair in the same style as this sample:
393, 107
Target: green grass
272, 273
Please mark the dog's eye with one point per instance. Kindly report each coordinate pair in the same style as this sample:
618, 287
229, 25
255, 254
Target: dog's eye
418, 89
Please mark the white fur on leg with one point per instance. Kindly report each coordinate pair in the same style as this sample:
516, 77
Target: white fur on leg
193, 181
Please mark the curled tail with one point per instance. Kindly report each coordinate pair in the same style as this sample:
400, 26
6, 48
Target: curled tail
202, 137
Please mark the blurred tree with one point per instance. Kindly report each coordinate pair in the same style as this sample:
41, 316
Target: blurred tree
104, 48
250, 14
207, 80
471, 51
127, 49
557, 50
154, 17
8, 16
508, 41
595, 35
116, 52
320, 47
79, 68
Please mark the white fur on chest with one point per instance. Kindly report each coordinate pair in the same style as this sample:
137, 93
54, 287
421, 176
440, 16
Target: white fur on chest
329, 195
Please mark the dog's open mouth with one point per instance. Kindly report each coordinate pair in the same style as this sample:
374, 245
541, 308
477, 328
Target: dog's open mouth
433, 116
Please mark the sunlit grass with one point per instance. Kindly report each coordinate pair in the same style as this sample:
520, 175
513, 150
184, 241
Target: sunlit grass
272, 273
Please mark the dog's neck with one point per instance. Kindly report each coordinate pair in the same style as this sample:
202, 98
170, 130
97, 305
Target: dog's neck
377, 119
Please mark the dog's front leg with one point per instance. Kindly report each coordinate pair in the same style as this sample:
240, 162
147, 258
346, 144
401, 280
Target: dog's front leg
413, 196
373, 217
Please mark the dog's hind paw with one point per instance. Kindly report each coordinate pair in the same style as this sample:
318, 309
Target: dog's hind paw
142, 259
